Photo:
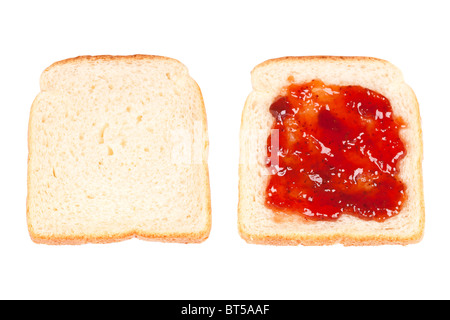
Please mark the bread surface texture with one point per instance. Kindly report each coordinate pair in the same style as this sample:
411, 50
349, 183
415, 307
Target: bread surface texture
260, 225
118, 149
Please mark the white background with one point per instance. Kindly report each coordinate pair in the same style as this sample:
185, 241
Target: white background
220, 42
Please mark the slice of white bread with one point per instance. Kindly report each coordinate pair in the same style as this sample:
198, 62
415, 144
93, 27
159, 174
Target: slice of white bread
118, 149
261, 225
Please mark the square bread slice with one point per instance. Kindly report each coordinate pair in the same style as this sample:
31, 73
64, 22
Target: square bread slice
261, 225
118, 149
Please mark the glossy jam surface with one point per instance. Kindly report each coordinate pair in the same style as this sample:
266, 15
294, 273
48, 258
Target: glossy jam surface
334, 150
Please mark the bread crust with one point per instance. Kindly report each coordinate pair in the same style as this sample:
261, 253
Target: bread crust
172, 237
295, 59
135, 57
325, 240
347, 239
194, 237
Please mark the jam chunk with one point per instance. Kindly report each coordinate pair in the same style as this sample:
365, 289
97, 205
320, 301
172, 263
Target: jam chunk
337, 153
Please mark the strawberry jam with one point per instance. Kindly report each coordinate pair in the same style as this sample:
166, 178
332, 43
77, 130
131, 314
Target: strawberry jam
335, 150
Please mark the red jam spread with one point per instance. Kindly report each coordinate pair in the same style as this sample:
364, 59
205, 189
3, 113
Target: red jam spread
335, 150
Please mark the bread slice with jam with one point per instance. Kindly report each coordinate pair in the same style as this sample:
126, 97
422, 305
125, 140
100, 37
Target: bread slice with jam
330, 152
118, 149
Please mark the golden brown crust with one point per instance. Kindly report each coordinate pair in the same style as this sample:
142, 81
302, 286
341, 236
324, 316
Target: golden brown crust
325, 240
109, 58
84, 239
419, 166
312, 58
205, 234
